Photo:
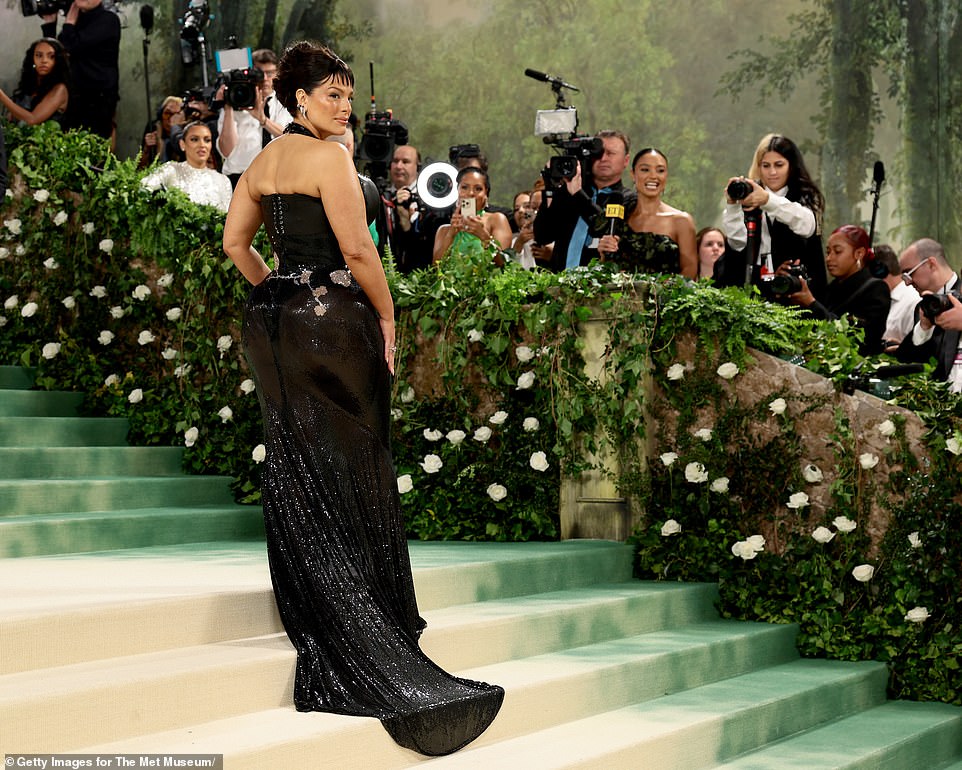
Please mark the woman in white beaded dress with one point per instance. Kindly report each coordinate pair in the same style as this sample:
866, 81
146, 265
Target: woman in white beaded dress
202, 184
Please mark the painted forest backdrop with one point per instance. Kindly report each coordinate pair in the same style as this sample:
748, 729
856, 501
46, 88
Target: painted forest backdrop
852, 81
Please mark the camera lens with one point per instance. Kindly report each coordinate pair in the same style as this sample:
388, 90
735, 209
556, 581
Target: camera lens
932, 305
738, 190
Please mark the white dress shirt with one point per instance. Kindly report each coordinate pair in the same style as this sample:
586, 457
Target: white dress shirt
901, 317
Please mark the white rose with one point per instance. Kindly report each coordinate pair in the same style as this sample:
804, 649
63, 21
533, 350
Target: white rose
525, 381
106, 245
169, 354
844, 524
482, 434
259, 454
530, 424
106, 337
116, 312
914, 540
223, 344
190, 436
11, 302
13, 225
886, 428
498, 418
812, 474
917, 615
4, 252
225, 413
431, 463
475, 335
41, 196
145, 337
868, 460
496, 492
69, 302
99, 292
823, 535
165, 280
675, 372
695, 473
51, 264
404, 484
182, 370
756, 542
50, 350
720, 484
136, 396
524, 353
433, 435
29, 309
141, 292
670, 527
539, 461
668, 458
112, 379
953, 445
88, 228
407, 396
744, 550
863, 573
703, 433
797, 500
456, 436
778, 406
247, 386
173, 314
396, 414
60, 218
3, 321
727, 370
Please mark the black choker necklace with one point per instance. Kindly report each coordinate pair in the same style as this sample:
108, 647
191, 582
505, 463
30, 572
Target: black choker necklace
297, 128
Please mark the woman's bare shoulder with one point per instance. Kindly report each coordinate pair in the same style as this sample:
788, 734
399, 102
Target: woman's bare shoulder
297, 166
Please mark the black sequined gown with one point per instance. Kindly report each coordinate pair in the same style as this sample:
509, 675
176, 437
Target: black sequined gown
338, 558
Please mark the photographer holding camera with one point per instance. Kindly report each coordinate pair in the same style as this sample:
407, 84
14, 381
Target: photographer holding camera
853, 292
242, 133
936, 333
91, 36
784, 209
567, 211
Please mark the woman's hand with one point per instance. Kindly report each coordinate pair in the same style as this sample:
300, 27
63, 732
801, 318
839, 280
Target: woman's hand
803, 296
757, 197
608, 245
390, 346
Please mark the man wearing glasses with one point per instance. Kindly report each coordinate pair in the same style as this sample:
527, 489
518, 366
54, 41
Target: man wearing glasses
939, 320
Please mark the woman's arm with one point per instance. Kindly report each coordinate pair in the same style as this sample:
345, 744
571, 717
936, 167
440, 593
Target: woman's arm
243, 219
799, 217
443, 239
55, 101
685, 238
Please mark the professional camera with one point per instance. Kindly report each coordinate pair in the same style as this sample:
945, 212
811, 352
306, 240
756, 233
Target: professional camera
738, 189
576, 150
437, 185
240, 87
381, 133
460, 151
932, 305
43, 7
790, 283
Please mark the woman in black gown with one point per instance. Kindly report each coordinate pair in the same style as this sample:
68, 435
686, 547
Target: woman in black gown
319, 334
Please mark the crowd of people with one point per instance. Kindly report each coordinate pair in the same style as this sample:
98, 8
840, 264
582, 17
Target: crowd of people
771, 221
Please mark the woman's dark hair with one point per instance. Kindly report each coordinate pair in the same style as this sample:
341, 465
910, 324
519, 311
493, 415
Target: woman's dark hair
306, 65
32, 87
647, 151
476, 170
188, 126
801, 188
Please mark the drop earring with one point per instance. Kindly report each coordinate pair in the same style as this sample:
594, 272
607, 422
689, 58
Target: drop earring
303, 110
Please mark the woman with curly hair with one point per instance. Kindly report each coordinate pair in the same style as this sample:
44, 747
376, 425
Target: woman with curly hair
43, 91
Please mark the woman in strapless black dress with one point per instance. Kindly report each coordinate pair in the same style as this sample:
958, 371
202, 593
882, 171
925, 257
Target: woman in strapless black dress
319, 335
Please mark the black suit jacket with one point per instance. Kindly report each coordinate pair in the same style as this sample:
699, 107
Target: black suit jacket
557, 217
943, 346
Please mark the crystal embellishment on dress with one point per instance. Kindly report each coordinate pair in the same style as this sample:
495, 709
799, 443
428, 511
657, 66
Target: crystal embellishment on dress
342, 277
305, 280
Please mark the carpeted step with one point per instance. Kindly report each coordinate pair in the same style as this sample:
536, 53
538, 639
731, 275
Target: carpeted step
63, 431
79, 462
15, 378
897, 734
26, 497
125, 697
40, 403
38, 534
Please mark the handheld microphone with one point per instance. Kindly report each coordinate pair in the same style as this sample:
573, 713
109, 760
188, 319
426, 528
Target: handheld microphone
545, 78
614, 211
147, 18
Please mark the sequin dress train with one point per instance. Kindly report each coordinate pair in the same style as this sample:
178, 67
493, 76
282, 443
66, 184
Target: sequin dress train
338, 558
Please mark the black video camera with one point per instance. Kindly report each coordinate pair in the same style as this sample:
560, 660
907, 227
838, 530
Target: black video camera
738, 189
576, 150
785, 284
381, 133
932, 305
240, 88
43, 7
